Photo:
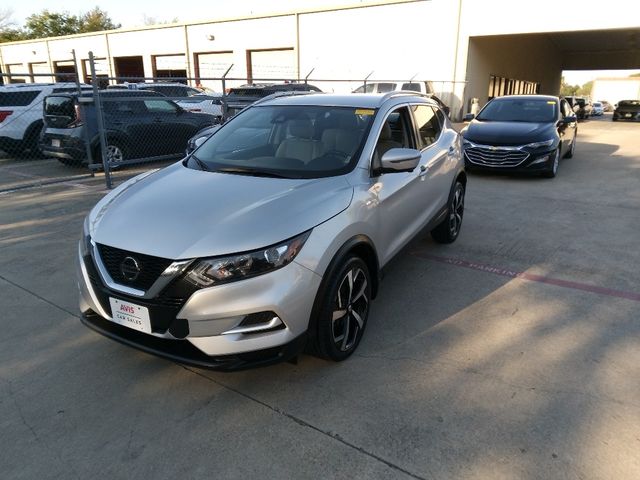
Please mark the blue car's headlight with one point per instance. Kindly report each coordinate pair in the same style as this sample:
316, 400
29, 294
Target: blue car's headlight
546, 143
213, 271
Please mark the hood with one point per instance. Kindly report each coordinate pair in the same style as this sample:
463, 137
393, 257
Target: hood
508, 133
181, 213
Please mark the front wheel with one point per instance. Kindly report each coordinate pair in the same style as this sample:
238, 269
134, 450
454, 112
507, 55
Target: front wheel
552, 171
449, 229
345, 309
572, 149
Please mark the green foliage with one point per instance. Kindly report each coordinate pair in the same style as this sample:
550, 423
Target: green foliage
568, 90
56, 24
585, 90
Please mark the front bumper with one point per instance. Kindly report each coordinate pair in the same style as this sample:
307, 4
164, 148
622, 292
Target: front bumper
191, 331
626, 115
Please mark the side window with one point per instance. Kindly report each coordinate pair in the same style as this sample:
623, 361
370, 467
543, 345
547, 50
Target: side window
566, 110
427, 124
397, 132
160, 106
414, 87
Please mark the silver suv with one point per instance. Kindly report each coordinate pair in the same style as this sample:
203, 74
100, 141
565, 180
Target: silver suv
272, 234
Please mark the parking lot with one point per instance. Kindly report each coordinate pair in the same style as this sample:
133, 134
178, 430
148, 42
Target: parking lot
510, 354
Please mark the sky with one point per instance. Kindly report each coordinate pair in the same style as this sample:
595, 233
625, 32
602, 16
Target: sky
131, 14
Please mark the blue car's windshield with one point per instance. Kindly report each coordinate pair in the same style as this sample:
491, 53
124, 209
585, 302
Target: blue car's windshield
519, 110
293, 141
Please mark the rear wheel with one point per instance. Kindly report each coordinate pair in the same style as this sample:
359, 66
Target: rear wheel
116, 153
449, 229
345, 310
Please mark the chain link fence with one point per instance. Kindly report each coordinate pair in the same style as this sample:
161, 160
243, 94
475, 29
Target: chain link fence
111, 122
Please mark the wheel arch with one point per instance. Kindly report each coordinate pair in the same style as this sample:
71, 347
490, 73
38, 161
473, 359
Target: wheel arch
359, 245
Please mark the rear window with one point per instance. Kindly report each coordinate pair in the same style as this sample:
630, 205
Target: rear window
18, 99
59, 106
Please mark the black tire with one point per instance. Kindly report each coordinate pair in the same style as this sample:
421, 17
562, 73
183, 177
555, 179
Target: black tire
552, 171
449, 229
344, 310
30, 143
572, 148
614, 119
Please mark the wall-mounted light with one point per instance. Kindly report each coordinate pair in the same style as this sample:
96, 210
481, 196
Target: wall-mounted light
211, 37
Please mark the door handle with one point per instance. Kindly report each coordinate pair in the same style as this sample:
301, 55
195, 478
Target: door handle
452, 150
424, 169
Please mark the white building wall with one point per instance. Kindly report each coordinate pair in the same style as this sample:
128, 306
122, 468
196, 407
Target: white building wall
615, 89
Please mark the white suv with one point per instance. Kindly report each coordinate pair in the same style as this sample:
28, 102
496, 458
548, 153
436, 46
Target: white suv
386, 87
21, 114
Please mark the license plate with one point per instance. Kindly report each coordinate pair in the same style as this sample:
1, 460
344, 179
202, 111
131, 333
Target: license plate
628, 115
55, 142
130, 315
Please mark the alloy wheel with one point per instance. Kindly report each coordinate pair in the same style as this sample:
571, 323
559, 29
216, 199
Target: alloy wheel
456, 210
114, 154
351, 307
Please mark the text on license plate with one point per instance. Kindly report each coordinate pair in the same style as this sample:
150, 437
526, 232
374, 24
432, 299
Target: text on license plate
55, 142
130, 315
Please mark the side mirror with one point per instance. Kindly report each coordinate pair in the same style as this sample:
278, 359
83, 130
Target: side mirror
570, 119
400, 160
468, 117
199, 141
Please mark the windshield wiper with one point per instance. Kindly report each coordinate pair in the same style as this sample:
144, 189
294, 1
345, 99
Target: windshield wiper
203, 166
254, 172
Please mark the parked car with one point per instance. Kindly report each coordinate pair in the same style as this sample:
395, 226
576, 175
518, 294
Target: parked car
246, 251
579, 106
525, 133
598, 109
385, 87
210, 103
627, 110
21, 114
241, 97
607, 107
168, 89
138, 124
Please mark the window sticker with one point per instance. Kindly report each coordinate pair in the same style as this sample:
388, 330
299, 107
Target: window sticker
362, 111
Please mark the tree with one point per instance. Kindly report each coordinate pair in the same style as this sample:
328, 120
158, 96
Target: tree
97, 20
8, 30
568, 90
55, 24
585, 90
51, 24
155, 21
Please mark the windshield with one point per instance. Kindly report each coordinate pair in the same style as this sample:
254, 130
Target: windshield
519, 110
629, 103
292, 141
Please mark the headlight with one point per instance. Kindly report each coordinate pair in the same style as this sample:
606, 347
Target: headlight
85, 239
546, 143
214, 271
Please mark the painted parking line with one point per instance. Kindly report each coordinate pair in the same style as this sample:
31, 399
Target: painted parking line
532, 277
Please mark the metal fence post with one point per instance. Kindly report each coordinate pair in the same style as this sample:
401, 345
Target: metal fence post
224, 93
98, 106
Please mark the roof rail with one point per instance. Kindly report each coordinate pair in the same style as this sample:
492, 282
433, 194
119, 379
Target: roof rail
400, 93
288, 93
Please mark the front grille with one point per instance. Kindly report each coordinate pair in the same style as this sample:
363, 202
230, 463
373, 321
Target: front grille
150, 267
495, 157
163, 309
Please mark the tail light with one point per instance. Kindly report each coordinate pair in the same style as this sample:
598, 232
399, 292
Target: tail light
4, 114
78, 114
